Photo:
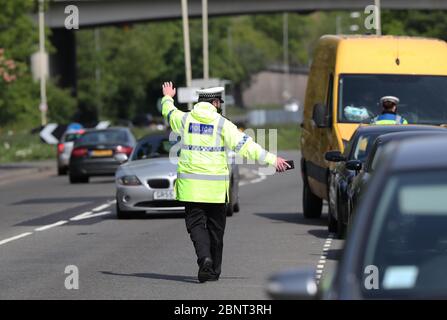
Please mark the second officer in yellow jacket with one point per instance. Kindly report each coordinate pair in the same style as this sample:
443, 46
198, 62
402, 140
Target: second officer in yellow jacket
203, 174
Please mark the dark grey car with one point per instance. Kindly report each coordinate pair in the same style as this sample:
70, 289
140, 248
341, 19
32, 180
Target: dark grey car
94, 153
397, 248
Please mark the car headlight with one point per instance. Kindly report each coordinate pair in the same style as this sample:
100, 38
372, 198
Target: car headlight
129, 180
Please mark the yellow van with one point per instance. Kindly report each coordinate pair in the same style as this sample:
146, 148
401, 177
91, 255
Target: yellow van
348, 76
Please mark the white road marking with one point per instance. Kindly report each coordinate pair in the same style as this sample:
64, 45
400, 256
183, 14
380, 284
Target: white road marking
89, 214
261, 177
86, 215
15, 238
323, 258
80, 216
101, 207
49, 226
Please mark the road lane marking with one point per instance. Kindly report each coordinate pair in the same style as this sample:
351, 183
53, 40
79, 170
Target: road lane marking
101, 207
323, 258
89, 214
49, 226
15, 238
80, 216
86, 215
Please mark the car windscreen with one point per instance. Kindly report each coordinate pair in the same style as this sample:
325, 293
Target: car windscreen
361, 149
103, 137
423, 99
407, 243
152, 148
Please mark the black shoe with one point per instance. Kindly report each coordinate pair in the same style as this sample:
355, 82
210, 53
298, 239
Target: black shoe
206, 272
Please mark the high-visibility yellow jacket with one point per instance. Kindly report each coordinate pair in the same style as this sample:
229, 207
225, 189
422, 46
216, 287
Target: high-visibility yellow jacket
202, 171
389, 118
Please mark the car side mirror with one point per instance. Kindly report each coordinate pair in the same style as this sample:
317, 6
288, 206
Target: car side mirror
121, 157
293, 284
355, 165
319, 116
334, 156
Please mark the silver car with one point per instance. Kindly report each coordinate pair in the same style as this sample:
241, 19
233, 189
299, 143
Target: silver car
145, 182
64, 148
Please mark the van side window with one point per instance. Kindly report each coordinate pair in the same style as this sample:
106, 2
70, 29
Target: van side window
329, 96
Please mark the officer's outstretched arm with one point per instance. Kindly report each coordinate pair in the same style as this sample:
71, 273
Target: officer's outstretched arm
245, 146
173, 115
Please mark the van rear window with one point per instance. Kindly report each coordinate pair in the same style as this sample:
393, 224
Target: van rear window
423, 99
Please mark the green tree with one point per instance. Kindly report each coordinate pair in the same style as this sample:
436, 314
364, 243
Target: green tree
19, 99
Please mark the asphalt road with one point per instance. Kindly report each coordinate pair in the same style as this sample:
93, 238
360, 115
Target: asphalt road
46, 224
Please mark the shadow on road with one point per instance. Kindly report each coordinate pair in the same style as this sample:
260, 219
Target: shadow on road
319, 233
159, 276
293, 217
334, 254
61, 200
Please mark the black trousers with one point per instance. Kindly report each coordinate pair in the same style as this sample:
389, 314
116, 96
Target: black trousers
205, 223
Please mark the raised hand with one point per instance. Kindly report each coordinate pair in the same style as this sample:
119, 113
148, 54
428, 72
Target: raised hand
168, 89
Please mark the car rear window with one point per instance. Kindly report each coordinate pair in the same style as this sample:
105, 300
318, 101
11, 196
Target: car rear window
72, 137
104, 137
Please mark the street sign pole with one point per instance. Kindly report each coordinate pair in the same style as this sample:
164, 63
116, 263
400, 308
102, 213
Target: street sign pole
378, 18
186, 46
43, 93
206, 68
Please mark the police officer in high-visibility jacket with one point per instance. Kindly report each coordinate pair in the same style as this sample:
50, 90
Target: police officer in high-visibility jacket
202, 173
389, 114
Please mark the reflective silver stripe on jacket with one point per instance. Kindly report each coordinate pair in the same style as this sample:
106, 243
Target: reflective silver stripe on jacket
219, 130
194, 176
263, 155
184, 119
202, 148
398, 119
241, 143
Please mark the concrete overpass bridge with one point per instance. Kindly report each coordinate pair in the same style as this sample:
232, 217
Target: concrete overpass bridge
94, 13
104, 12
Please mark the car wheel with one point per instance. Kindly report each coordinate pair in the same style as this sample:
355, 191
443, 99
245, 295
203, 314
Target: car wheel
230, 204
341, 227
332, 225
312, 204
332, 211
78, 178
62, 171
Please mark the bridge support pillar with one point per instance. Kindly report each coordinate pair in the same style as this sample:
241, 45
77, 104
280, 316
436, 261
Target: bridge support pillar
63, 62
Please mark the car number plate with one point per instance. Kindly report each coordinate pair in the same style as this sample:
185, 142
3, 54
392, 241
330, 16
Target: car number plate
102, 153
164, 195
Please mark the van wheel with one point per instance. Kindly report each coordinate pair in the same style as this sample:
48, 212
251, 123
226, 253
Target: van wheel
312, 204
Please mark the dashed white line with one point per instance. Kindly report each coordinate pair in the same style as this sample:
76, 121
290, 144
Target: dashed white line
89, 214
59, 223
15, 238
323, 258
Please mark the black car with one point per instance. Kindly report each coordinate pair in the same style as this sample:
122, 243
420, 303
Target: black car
397, 248
93, 153
349, 164
355, 189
